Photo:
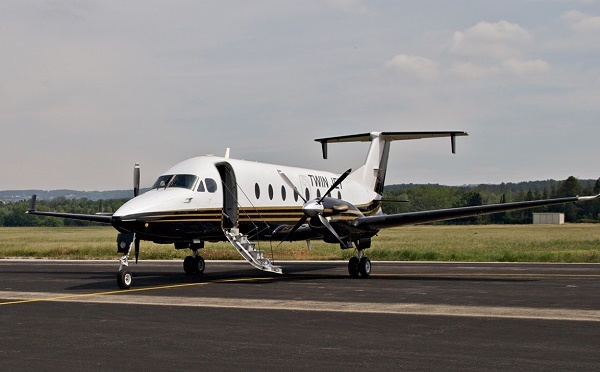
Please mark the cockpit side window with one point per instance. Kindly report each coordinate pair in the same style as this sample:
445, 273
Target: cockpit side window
201, 186
162, 181
186, 181
211, 185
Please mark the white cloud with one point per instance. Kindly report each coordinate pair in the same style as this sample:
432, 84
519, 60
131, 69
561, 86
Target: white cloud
500, 39
420, 67
472, 71
580, 21
498, 48
519, 67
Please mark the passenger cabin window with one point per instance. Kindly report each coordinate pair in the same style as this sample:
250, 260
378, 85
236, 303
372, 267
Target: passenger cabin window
211, 185
257, 191
283, 193
201, 187
270, 192
318, 193
307, 194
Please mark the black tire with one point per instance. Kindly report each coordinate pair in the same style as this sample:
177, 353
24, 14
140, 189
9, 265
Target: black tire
353, 267
124, 278
188, 265
364, 267
199, 265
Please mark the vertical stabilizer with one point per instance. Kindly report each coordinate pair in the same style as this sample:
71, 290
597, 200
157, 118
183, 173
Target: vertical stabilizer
372, 173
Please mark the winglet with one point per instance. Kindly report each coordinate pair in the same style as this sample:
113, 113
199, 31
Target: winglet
32, 204
453, 142
584, 198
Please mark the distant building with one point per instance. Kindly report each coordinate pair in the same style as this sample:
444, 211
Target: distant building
548, 218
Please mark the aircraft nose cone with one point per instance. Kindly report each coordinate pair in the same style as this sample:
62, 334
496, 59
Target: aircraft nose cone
312, 208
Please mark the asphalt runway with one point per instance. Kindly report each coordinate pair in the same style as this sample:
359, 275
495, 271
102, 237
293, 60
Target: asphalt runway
407, 316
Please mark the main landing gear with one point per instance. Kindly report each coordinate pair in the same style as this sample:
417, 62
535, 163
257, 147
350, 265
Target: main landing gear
359, 266
194, 264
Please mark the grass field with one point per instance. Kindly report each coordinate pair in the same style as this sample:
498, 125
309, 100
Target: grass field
504, 243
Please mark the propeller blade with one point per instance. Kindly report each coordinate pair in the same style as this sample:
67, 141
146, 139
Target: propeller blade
326, 223
137, 249
293, 230
296, 227
136, 180
290, 184
336, 183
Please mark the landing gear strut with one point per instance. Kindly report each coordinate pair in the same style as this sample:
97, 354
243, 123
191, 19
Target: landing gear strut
359, 266
124, 276
194, 264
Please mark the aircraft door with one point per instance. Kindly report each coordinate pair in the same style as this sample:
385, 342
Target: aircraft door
230, 201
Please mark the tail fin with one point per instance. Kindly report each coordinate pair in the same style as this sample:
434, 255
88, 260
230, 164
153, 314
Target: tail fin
372, 173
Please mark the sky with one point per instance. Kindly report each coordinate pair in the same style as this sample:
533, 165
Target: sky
88, 88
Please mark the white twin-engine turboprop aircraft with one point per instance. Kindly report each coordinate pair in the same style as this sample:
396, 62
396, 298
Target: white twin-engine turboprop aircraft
210, 198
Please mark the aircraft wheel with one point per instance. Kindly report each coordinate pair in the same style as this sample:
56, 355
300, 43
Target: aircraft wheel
124, 278
364, 267
188, 265
199, 265
353, 267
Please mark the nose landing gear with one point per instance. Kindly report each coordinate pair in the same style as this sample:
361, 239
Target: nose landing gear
124, 276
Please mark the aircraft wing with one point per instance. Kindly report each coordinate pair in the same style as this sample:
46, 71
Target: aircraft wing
412, 218
101, 218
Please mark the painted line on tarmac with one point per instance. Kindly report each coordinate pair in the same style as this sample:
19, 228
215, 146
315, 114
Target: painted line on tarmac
126, 298
28, 297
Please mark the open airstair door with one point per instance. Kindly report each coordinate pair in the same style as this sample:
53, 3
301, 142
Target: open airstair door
230, 200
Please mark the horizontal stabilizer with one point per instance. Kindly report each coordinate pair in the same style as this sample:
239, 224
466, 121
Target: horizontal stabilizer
390, 136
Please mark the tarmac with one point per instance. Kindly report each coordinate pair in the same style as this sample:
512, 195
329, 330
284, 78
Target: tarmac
406, 316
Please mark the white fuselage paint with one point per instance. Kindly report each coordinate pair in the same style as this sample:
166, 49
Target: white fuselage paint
273, 191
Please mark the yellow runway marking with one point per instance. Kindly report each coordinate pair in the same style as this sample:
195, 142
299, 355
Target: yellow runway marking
126, 291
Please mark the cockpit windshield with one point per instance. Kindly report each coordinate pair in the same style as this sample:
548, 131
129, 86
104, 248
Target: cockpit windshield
186, 181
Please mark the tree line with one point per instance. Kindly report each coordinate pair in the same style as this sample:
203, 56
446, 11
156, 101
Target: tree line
416, 197
13, 214
432, 196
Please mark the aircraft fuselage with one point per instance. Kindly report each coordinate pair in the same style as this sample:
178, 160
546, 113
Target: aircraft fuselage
211, 193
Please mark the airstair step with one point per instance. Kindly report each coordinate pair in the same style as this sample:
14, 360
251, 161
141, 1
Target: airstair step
246, 249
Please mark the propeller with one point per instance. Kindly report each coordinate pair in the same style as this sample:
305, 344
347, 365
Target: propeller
136, 192
291, 184
136, 180
314, 207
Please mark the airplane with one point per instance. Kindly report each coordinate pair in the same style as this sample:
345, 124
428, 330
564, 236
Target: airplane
212, 199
